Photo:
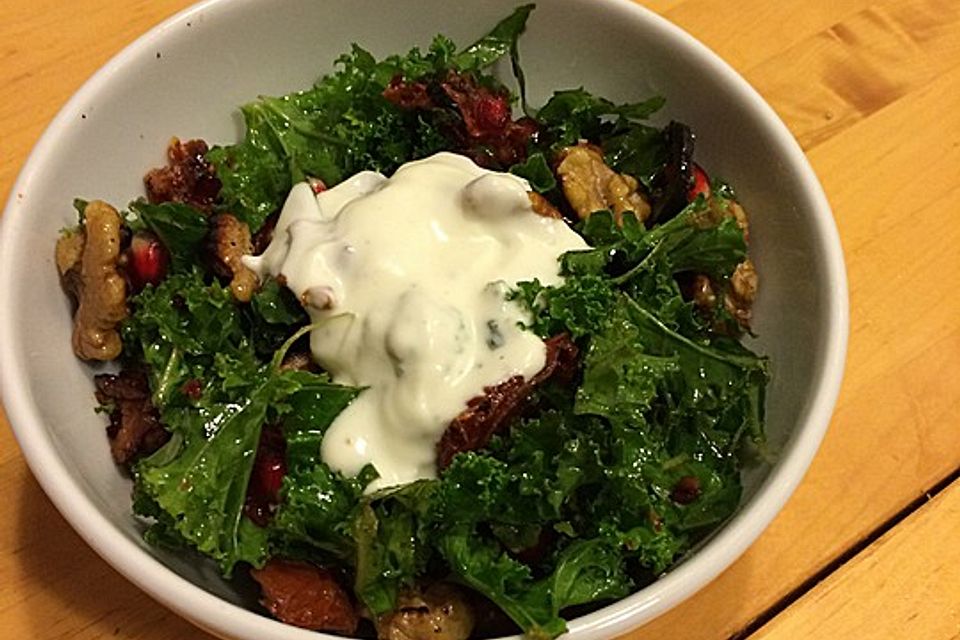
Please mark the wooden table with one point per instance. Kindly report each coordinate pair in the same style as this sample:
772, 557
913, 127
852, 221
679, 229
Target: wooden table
868, 546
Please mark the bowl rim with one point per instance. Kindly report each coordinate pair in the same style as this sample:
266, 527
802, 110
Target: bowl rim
226, 619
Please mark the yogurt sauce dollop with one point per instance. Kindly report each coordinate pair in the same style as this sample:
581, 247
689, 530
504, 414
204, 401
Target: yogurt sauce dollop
407, 277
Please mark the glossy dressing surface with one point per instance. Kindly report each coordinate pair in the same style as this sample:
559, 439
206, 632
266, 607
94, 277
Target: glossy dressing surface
406, 280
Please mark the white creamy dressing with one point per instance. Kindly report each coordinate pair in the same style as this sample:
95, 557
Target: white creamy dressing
407, 277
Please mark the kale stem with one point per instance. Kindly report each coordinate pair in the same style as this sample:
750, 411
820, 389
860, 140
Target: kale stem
675, 461
166, 378
624, 277
282, 351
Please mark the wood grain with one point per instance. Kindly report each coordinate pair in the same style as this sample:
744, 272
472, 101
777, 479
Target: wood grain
860, 65
870, 88
48, 49
751, 31
906, 585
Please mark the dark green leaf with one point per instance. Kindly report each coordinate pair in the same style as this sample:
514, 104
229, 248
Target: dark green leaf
180, 227
481, 564
496, 44
588, 571
391, 543
80, 206
204, 487
537, 172
278, 305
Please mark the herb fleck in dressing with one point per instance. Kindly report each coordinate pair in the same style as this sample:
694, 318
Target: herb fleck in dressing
406, 278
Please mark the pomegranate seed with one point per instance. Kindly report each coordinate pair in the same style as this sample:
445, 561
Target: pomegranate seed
192, 388
148, 261
266, 479
686, 490
493, 113
701, 184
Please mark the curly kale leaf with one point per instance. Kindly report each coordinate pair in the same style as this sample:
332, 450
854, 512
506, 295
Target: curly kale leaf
204, 485
393, 534
199, 478
641, 262
585, 571
536, 170
629, 144
343, 124
317, 501
189, 331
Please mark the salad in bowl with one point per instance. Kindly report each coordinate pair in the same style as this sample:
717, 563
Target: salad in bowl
423, 359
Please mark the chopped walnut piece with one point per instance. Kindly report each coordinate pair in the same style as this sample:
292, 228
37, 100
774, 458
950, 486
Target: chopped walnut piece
590, 185
741, 290
230, 241
439, 613
739, 298
298, 361
702, 290
87, 263
721, 207
68, 254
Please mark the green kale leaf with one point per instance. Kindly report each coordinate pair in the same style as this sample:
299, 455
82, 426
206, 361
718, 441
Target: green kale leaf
203, 485
585, 571
180, 227
317, 502
537, 172
343, 124
393, 543
501, 40
630, 145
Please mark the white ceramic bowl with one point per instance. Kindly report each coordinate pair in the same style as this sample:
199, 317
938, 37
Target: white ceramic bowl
187, 77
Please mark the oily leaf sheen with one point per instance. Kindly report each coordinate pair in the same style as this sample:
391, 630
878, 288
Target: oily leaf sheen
189, 330
496, 44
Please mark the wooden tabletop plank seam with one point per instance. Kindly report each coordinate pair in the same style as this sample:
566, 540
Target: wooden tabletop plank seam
851, 554
906, 585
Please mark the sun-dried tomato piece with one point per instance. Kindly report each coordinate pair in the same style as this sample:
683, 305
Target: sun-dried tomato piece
475, 119
305, 595
494, 140
408, 95
487, 414
135, 428
187, 178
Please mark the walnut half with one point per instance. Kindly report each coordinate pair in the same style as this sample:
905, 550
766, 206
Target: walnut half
590, 185
87, 263
438, 613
